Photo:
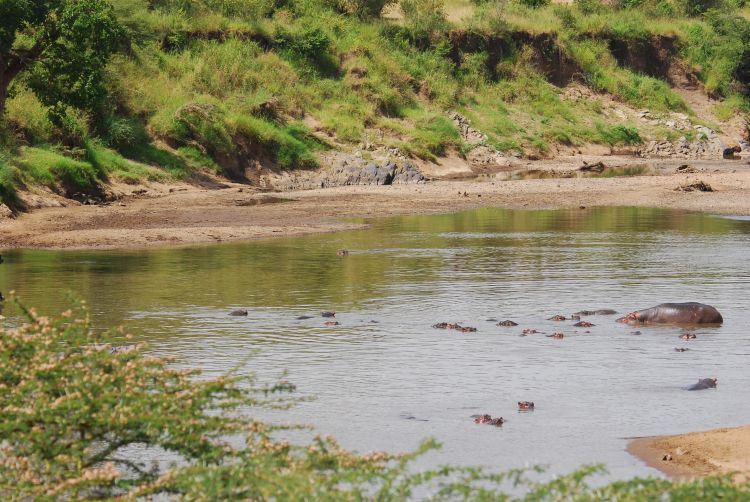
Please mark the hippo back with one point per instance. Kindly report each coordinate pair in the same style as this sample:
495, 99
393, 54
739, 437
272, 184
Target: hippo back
688, 313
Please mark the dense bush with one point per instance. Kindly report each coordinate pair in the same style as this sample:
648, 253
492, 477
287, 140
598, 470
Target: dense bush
424, 17
721, 46
698, 7
534, 4
619, 135
8, 194
365, 8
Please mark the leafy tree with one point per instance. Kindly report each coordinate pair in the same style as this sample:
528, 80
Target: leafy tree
62, 45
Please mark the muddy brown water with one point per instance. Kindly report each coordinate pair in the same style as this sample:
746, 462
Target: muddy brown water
391, 383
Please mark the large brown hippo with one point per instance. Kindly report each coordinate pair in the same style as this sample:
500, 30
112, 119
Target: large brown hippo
675, 313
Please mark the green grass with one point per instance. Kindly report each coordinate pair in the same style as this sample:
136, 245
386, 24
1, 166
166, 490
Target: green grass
290, 145
108, 161
50, 168
216, 85
619, 135
8, 194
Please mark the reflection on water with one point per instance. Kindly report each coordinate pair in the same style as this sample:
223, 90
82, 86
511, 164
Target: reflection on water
592, 389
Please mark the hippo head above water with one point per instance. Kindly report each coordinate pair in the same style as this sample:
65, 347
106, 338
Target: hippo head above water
675, 313
704, 383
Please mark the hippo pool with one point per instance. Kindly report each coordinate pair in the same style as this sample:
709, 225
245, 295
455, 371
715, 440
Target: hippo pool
388, 384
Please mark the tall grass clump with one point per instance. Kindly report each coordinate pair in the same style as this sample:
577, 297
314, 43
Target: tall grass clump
720, 46
290, 146
601, 72
8, 195
619, 135
58, 171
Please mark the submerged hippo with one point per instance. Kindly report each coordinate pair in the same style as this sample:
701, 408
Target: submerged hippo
457, 327
703, 384
675, 313
487, 419
238, 313
596, 312
507, 322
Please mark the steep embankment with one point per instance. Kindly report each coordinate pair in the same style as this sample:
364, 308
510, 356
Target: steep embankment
204, 93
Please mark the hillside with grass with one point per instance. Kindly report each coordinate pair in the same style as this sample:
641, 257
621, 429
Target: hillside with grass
233, 88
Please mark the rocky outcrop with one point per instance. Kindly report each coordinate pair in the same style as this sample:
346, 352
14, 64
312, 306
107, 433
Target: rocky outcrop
486, 157
707, 145
347, 170
468, 133
480, 155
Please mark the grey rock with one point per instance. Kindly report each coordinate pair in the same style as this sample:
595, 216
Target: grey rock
346, 170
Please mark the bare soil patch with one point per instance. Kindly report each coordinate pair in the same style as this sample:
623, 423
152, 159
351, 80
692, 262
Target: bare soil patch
697, 454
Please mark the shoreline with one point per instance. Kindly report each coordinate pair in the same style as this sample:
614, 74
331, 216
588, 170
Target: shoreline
693, 455
181, 214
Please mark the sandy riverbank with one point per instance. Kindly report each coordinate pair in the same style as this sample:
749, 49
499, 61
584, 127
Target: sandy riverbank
685, 456
185, 214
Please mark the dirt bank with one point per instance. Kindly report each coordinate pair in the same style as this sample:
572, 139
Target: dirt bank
718, 451
185, 214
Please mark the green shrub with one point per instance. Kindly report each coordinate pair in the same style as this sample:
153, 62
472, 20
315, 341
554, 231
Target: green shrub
111, 164
365, 8
589, 7
8, 195
534, 4
721, 47
53, 169
697, 7
27, 114
433, 136
619, 135
200, 122
424, 17
290, 146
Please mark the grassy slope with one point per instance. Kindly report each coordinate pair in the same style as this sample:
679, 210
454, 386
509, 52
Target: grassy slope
216, 85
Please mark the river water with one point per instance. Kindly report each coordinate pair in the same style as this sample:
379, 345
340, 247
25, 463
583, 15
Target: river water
391, 383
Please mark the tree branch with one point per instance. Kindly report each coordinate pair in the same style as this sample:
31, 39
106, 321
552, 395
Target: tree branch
21, 59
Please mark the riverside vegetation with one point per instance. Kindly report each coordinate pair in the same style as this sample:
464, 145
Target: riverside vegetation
93, 91
73, 408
